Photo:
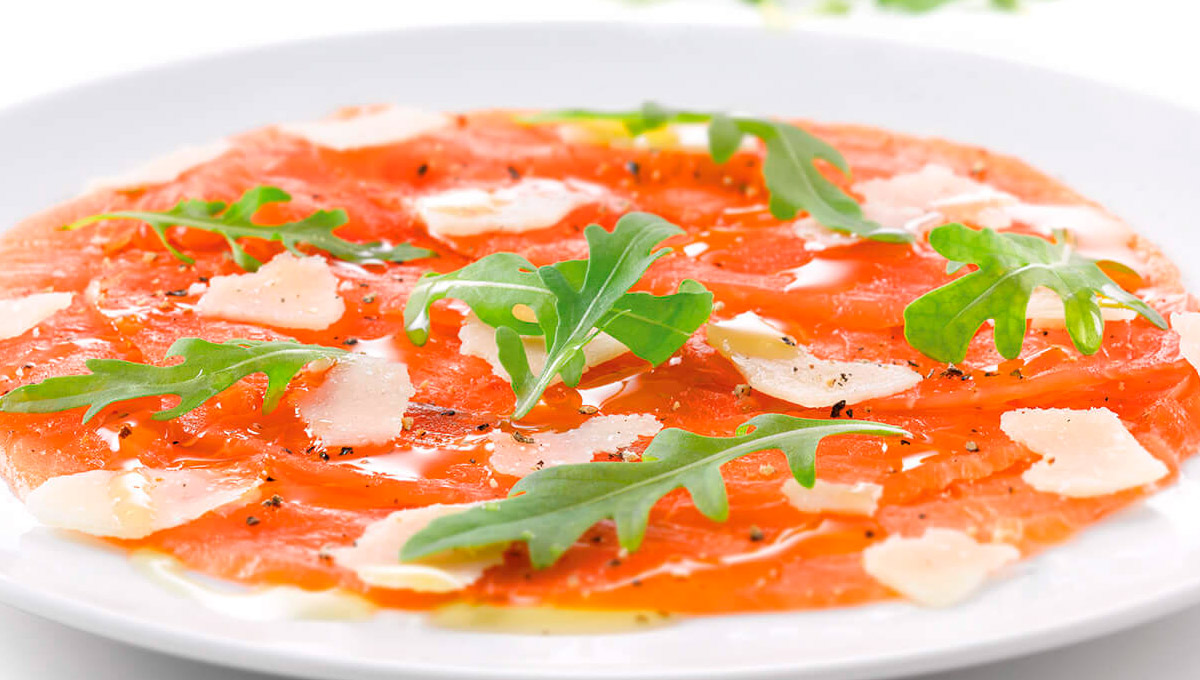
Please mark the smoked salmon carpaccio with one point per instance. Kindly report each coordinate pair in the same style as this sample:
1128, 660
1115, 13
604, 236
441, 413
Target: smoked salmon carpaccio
842, 297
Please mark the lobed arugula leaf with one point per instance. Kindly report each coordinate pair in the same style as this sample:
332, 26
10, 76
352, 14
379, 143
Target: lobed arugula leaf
233, 221
789, 169
942, 322
551, 508
572, 302
207, 369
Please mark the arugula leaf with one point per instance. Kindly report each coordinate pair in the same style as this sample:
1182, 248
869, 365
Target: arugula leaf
572, 302
942, 322
790, 171
551, 508
207, 369
233, 221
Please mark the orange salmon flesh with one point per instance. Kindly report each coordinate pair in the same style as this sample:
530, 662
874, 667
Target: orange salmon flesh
132, 302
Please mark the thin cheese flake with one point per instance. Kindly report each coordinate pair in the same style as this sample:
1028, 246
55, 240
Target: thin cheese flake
601, 434
287, 292
933, 195
861, 498
527, 205
1046, 310
374, 557
163, 169
23, 314
1091, 229
1084, 452
135, 503
939, 569
479, 340
1187, 326
378, 127
777, 366
361, 401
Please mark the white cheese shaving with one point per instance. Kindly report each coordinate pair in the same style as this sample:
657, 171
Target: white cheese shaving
362, 401
479, 340
843, 499
135, 503
163, 169
379, 127
785, 370
941, 568
818, 237
930, 196
374, 557
1090, 228
21, 314
579, 445
528, 205
679, 136
1046, 310
1187, 326
1084, 452
287, 292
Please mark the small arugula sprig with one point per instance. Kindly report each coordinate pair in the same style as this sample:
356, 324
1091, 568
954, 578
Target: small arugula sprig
551, 508
207, 369
789, 169
942, 322
233, 221
572, 302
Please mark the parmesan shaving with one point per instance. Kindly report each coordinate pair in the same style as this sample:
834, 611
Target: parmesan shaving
379, 127
930, 196
161, 170
843, 499
1046, 310
287, 292
374, 557
1084, 452
135, 503
22, 314
1187, 326
479, 340
777, 366
941, 568
528, 205
598, 435
362, 401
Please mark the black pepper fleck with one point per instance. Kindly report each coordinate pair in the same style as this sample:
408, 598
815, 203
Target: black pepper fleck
836, 410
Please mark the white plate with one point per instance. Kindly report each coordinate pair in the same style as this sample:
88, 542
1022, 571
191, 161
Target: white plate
1135, 155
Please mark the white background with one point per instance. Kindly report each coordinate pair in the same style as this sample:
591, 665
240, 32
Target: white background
1146, 45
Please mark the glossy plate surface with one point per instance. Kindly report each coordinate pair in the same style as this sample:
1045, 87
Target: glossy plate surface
1135, 155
